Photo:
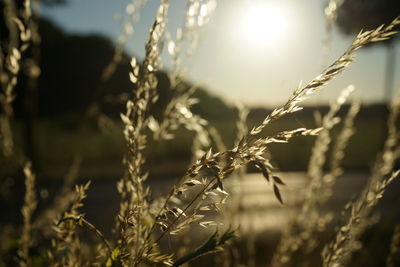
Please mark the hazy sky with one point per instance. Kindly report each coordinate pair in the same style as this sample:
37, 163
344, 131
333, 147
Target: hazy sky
230, 63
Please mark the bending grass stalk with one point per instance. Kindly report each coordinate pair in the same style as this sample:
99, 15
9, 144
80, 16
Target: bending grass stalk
81, 221
175, 220
186, 208
303, 92
280, 137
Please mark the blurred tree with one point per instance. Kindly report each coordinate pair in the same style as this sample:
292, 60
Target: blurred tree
71, 68
355, 15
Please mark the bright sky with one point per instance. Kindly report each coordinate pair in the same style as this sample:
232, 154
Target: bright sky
236, 62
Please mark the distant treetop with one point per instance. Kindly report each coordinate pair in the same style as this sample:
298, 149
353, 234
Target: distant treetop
355, 15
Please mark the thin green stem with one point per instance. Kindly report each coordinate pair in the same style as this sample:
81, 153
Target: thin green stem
79, 220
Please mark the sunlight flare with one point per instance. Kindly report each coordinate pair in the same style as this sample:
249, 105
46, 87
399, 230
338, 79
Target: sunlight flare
264, 24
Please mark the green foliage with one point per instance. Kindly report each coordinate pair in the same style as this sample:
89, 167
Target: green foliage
214, 244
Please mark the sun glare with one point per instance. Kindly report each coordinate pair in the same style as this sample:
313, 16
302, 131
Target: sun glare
264, 24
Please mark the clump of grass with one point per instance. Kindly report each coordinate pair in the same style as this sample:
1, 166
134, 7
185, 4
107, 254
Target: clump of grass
142, 223
346, 242
66, 246
309, 221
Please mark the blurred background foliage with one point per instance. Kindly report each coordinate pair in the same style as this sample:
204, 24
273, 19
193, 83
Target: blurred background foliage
78, 114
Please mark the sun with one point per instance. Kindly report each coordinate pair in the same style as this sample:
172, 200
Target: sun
264, 24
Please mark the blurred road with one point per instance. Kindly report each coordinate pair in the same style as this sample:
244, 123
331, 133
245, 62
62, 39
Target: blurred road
260, 210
